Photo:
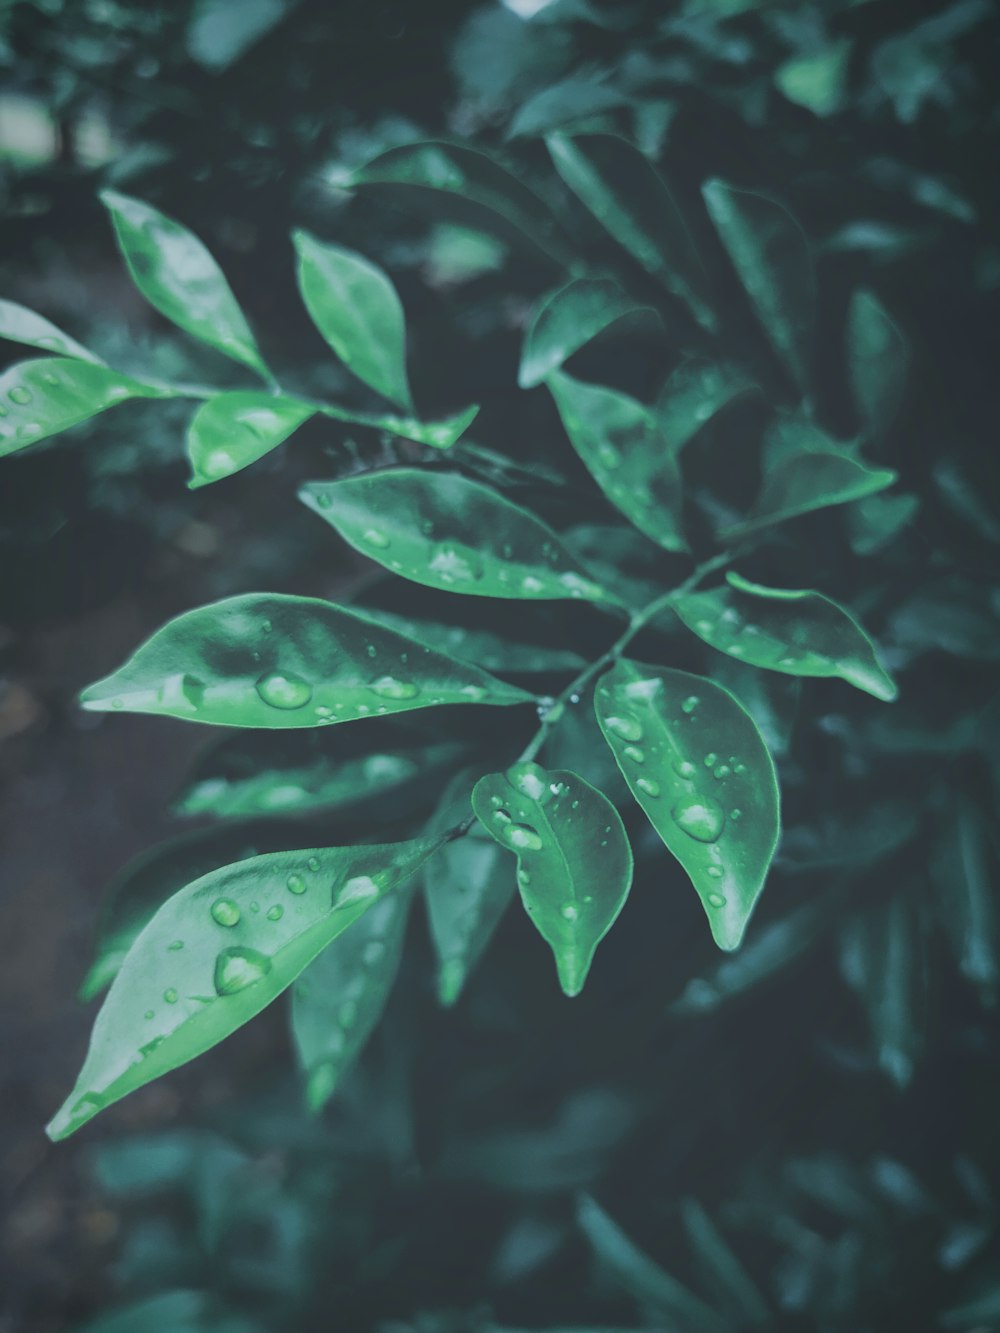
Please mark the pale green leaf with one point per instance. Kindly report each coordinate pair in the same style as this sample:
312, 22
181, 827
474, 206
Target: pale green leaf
18, 324
233, 430
468, 886
568, 319
440, 434
807, 481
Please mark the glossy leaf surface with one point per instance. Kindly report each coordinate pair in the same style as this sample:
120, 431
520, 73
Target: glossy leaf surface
877, 361
771, 257
574, 862
176, 274
339, 998
49, 394
246, 931
269, 660
18, 324
570, 318
233, 430
467, 885
696, 763
440, 434
493, 652
569, 100
695, 393
628, 197
797, 631
356, 309
625, 451
444, 531
807, 481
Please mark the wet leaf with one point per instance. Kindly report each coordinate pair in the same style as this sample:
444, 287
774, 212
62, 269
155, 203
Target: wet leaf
49, 394
810, 480
439, 529
568, 319
877, 362
468, 886
493, 652
356, 309
247, 930
176, 274
233, 430
18, 324
696, 763
771, 258
797, 631
695, 393
624, 449
574, 863
440, 434
339, 998
270, 660
627, 196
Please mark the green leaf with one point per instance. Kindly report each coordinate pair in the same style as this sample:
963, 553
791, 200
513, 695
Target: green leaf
771, 257
876, 521
807, 481
356, 309
574, 863
568, 319
439, 529
233, 430
735, 1291
493, 652
440, 434
468, 886
797, 631
271, 660
176, 274
878, 359
218, 35
627, 196
697, 765
624, 449
643, 1279
771, 700
963, 873
338, 1000
694, 393
562, 103
18, 324
246, 931
472, 185
817, 80
47, 395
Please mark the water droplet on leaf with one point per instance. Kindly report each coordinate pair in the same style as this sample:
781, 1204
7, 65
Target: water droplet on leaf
700, 817
629, 728
284, 690
237, 968
225, 912
296, 884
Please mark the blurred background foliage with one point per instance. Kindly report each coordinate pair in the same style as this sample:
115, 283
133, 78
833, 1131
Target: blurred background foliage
800, 1136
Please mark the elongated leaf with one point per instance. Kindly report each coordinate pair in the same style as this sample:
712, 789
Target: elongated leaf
355, 307
808, 481
176, 274
467, 180
468, 886
18, 324
771, 257
562, 103
246, 931
735, 1291
876, 521
233, 430
574, 862
270, 660
693, 394
697, 765
339, 998
440, 434
797, 631
968, 910
643, 1279
48, 395
626, 194
493, 652
570, 318
439, 529
625, 451
877, 361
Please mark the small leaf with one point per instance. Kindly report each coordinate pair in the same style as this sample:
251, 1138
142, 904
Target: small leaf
626, 195
771, 258
339, 998
356, 309
797, 631
693, 394
49, 394
233, 430
568, 319
563, 103
247, 930
735, 1291
877, 362
176, 274
18, 324
623, 448
444, 531
697, 765
270, 660
468, 886
574, 863
810, 480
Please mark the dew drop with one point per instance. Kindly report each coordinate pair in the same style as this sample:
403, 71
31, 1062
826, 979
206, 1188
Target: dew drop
711, 759
648, 786
530, 780
523, 877
388, 687
175, 946
456, 564
218, 463
569, 911
714, 872
375, 538
607, 455
149, 1014
295, 884
473, 692
633, 752
49, 378
736, 815
225, 912
531, 585
283, 690
324, 712
323, 500
313, 864
237, 968
20, 395
690, 703
522, 837
358, 889
372, 953
700, 817
170, 995
629, 728
683, 769
716, 900
276, 912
